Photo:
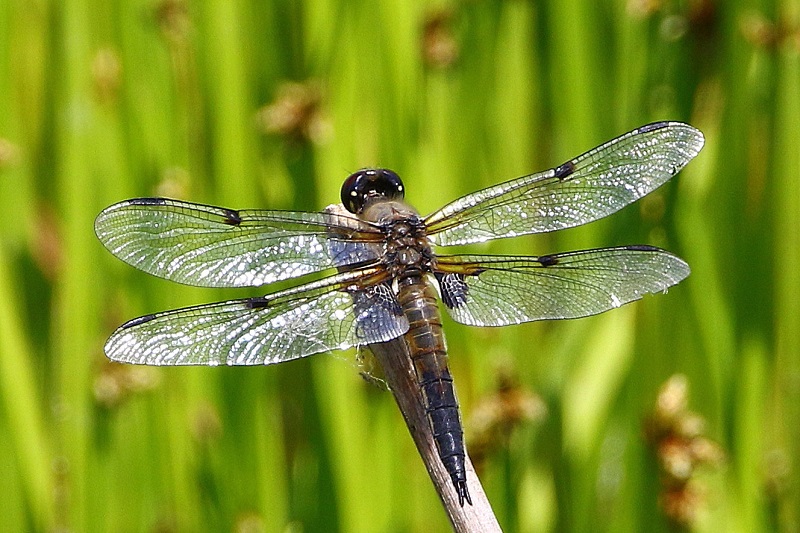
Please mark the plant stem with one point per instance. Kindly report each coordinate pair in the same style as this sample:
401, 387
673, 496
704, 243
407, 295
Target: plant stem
395, 358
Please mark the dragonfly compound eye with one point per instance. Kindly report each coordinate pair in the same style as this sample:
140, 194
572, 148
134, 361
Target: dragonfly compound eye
368, 185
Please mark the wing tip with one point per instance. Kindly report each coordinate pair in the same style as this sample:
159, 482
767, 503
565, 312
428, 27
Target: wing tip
693, 138
678, 266
111, 211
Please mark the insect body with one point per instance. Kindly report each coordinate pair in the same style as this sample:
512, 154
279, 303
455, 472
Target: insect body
387, 272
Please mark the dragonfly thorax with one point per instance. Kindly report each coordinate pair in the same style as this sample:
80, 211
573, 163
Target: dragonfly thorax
407, 247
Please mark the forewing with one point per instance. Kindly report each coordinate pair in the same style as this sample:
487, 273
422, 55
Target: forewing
343, 249
503, 290
312, 318
211, 246
591, 186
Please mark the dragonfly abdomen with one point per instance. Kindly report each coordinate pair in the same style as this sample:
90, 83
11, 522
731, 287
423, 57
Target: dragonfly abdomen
428, 350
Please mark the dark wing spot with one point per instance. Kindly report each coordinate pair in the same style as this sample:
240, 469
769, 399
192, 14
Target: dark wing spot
148, 201
565, 170
652, 127
232, 217
259, 302
137, 321
547, 260
642, 248
454, 289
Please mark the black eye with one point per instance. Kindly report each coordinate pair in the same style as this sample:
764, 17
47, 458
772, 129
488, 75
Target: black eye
367, 185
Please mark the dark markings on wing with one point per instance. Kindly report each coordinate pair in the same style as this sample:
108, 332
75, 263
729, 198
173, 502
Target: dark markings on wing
654, 126
453, 288
548, 260
212, 246
260, 302
316, 317
140, 320
232, 218
148, 201
565, 170
503, 290
373, 307
591, 186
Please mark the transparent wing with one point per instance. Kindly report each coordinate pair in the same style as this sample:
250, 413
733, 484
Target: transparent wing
312, 318
211, 246
503, 290
589, 187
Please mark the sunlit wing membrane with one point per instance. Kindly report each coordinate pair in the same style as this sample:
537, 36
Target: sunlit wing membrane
345, 252
591, 186
374, 308
312, 318
503, 290
215, 247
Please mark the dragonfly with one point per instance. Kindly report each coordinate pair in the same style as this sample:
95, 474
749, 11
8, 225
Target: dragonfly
382, 278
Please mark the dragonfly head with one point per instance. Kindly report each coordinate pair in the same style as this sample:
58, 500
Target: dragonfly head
368, 185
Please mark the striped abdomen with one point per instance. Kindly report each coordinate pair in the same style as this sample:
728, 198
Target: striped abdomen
429, 354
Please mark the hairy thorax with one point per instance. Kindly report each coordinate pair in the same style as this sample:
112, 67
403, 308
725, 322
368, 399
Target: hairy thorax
408, 250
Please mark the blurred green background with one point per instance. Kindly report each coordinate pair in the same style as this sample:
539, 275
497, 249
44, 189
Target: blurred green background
272, 104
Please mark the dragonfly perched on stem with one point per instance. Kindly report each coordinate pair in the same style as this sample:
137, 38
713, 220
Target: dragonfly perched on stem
386, 278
